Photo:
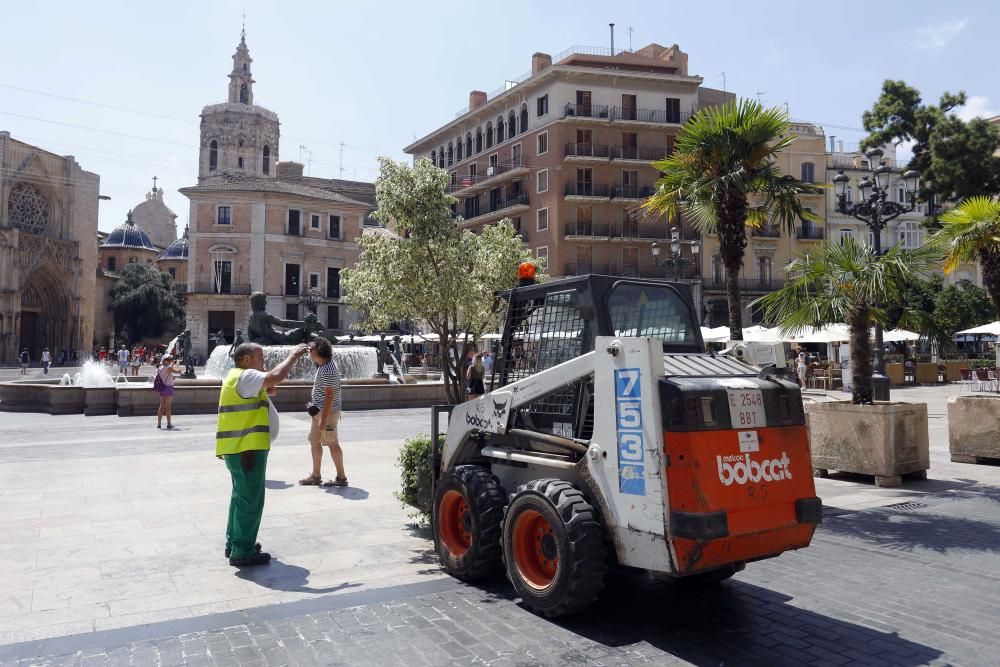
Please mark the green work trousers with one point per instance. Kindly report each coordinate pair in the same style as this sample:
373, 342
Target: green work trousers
246, 505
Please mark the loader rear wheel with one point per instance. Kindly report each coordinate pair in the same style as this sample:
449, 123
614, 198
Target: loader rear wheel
467, 510
553, 547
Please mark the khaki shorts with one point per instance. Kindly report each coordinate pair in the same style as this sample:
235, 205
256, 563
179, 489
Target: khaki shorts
329, 436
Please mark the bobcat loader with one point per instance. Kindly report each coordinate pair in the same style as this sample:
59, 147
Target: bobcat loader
611, 437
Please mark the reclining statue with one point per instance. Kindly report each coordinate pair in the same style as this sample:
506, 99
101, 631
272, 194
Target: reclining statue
261, 326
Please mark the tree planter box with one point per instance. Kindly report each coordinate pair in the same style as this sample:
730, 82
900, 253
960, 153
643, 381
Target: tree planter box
887, 440
952, 370
974, 429
927, 373
894, 373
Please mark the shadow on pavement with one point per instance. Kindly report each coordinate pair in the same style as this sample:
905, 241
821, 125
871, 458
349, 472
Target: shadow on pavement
348, 492
920, 485
918, 529
281, 576
730, 623
276, 484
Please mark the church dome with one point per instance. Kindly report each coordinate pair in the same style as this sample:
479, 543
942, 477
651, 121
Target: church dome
129, 235
176, 250
156, 218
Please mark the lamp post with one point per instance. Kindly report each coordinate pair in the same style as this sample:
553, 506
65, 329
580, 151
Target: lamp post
676, 261
876, 210
310, 299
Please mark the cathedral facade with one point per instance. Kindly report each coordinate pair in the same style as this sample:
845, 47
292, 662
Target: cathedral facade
48, 257
257, 224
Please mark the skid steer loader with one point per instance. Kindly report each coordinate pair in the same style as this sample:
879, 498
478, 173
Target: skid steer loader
611, 437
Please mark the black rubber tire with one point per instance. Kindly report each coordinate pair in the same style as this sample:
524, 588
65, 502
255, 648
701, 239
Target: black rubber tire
579, 541
485, 499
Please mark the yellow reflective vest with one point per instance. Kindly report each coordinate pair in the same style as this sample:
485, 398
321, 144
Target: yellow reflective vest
243, 422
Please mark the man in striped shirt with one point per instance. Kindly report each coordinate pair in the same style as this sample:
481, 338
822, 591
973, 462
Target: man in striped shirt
327, 398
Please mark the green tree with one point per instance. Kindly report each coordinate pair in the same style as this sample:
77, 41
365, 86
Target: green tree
841, 283
144, 303
433, 270
955, 157
723, 175
970, 232
962, 306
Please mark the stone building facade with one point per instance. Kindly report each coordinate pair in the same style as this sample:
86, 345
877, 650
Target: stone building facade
257, 224
156, 218
48, 257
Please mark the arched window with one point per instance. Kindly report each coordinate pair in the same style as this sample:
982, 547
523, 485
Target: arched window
441, 157
489, 134
266, 160
808, 172
500, 129
468, 144
459, 158
512, 123
451, 154
718, 270
479, 139
244, 95
524, 118
213, 155
434, 158
27, 208
764, 270
239, 155
244, 68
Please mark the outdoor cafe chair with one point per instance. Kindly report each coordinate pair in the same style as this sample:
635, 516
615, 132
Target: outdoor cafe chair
983, 379
968, 380
994, 382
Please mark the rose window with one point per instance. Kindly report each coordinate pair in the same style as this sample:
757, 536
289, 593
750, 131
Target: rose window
28, 209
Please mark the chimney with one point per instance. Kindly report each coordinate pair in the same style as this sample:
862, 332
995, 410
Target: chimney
540, 61
289, 170
477, 98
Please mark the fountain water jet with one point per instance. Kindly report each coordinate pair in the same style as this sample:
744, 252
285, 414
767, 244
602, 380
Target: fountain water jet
353, 362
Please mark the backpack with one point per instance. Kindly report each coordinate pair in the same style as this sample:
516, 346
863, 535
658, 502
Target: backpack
158, 383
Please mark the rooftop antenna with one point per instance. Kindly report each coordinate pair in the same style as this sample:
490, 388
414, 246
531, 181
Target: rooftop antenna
759, 93
787, 112
612, 26
723, 75
630, 38
301, 148
342, 159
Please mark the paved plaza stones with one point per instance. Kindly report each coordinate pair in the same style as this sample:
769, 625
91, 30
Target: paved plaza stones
112, 555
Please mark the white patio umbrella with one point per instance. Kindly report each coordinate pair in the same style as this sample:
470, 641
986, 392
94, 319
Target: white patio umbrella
834, 333
715, 335
991, 329
759, 334
898, 336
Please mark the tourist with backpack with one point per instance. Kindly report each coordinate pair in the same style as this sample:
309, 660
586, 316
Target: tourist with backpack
163, 384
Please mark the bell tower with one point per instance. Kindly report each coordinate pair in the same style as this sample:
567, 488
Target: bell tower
240, 79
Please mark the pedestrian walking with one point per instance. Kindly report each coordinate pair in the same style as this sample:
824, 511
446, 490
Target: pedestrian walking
163, 384
46, 361
102, 356
122, 360
324, 408
801, 368
136, 362
247, 425
25, 359
474, 375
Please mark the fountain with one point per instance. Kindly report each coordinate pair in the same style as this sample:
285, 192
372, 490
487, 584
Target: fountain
353, 362
91, 374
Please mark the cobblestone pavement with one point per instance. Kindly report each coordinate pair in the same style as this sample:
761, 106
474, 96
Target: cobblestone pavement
904, 576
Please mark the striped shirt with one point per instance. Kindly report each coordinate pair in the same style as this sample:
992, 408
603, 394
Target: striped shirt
327, 376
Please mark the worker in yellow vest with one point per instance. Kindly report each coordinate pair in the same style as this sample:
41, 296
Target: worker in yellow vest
248, 424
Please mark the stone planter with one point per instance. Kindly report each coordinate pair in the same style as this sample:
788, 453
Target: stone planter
895, 373
927, 373
952, 370
974, 429
887, 440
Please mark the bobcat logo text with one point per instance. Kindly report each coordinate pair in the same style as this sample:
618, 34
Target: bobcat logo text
740, 469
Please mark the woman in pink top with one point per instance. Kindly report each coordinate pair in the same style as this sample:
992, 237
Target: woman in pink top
166, 373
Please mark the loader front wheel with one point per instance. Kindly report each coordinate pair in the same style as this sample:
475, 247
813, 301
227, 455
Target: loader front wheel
468, 508
553, 547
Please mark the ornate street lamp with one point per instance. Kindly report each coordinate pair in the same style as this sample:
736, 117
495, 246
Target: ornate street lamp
310, 299
676, 261
875, 208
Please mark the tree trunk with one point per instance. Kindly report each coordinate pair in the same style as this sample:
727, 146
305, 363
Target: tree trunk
859, 323
991, 277
731, 216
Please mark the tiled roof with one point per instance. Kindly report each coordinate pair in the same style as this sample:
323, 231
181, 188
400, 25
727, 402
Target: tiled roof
128, 235
176, 250
271, 185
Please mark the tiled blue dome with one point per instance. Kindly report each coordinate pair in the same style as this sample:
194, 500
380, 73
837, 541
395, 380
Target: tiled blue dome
176, 250
129, 235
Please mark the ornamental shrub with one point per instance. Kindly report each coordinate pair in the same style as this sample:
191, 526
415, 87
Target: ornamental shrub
415, 477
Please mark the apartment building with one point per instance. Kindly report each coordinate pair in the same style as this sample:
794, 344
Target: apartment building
770, 248
566, 151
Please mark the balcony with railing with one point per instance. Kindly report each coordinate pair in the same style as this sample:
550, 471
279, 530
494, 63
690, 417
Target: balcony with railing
593, 190
596, 151
598, 111
809, 233
212, 287
629, 270
658, 116
767, 232
639, 153
498, 208
632, 191
758, 285
631, 230
493, 174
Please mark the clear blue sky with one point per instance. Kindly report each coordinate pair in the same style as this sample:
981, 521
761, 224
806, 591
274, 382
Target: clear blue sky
375, 74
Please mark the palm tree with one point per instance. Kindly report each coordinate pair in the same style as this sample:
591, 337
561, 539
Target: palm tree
723, 174
970, 232
842, 283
